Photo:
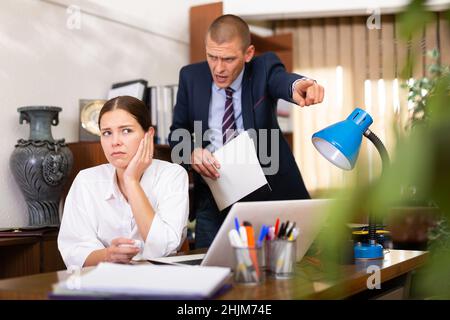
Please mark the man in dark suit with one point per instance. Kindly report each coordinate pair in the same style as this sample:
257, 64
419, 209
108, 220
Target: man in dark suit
229, 93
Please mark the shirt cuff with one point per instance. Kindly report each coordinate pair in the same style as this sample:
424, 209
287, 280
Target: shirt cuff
76, 257
158, 242
296, 81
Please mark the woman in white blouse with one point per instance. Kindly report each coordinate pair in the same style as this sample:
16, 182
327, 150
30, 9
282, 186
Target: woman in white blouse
133, 197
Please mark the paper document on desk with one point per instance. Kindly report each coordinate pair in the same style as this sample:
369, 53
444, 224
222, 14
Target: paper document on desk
118, 280
240, 171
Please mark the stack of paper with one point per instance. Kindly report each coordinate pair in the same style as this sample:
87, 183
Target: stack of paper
146, 281
240, 171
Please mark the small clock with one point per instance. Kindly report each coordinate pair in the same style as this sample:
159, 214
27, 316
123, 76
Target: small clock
89, 112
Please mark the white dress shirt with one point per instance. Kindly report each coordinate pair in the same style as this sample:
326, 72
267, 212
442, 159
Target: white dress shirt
217, 110
96, 212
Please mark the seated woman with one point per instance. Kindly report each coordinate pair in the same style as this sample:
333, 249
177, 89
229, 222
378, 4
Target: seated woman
133, 197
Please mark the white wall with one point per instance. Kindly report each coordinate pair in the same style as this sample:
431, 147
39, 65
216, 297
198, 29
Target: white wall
42, 62
295, 9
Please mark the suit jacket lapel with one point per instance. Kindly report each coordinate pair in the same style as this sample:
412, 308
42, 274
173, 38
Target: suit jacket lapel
247, 99
202, 99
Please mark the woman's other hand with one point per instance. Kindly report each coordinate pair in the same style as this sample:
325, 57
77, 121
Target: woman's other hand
121, 250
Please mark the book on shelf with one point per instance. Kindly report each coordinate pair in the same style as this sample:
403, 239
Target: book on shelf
163, 99
134, 88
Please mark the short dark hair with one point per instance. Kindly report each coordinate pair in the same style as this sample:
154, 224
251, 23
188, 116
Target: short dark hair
227, 27
132, 105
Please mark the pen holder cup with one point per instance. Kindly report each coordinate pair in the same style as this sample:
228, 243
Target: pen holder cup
282, 258
248, 265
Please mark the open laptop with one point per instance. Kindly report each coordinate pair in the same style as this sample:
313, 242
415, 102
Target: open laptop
309, 216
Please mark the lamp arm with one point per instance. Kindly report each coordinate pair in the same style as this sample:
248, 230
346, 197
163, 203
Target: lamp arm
384, 163
380, 147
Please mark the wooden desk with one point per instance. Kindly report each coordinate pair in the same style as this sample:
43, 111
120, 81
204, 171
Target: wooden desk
309, 283
22, 255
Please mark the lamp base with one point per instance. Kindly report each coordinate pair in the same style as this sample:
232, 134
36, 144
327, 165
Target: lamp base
368, 251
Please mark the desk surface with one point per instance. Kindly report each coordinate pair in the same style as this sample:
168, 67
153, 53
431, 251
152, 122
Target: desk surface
310, 281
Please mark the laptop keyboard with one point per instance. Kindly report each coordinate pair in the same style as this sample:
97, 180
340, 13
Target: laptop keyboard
191, 262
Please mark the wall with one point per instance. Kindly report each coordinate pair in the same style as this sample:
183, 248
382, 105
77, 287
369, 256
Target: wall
294, 9
43, 62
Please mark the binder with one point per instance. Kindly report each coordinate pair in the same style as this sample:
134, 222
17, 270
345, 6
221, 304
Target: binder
135, 88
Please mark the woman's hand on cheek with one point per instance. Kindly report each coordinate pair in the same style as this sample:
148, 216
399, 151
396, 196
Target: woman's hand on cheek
151, 145
141, 160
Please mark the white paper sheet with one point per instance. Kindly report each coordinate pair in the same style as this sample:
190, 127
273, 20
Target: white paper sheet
240, 171
158, 281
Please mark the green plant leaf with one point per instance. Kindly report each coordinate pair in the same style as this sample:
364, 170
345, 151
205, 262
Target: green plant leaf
414, 19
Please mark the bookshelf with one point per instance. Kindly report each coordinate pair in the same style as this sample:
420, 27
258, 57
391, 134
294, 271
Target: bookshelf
26, 252
162, 99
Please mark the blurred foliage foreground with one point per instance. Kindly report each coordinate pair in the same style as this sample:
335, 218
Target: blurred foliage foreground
422, 160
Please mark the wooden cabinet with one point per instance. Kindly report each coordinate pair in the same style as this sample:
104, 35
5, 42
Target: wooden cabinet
29, 252
200, 18
281, 44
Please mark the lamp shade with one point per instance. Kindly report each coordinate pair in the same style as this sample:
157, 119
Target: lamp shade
340, 142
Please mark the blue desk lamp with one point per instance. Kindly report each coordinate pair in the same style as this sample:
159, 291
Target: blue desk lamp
339, 144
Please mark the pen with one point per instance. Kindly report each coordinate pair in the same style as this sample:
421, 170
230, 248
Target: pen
289, 232
295, 233
243, 234
277, 224
262, 234
250, 237
285, 228
280, 232
235, 239
271, 234
251, 247
236, 223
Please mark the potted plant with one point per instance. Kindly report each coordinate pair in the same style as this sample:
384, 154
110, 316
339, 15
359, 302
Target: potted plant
418, 222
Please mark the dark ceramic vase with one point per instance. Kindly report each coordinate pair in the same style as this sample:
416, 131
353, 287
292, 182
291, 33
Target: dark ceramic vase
41, 165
